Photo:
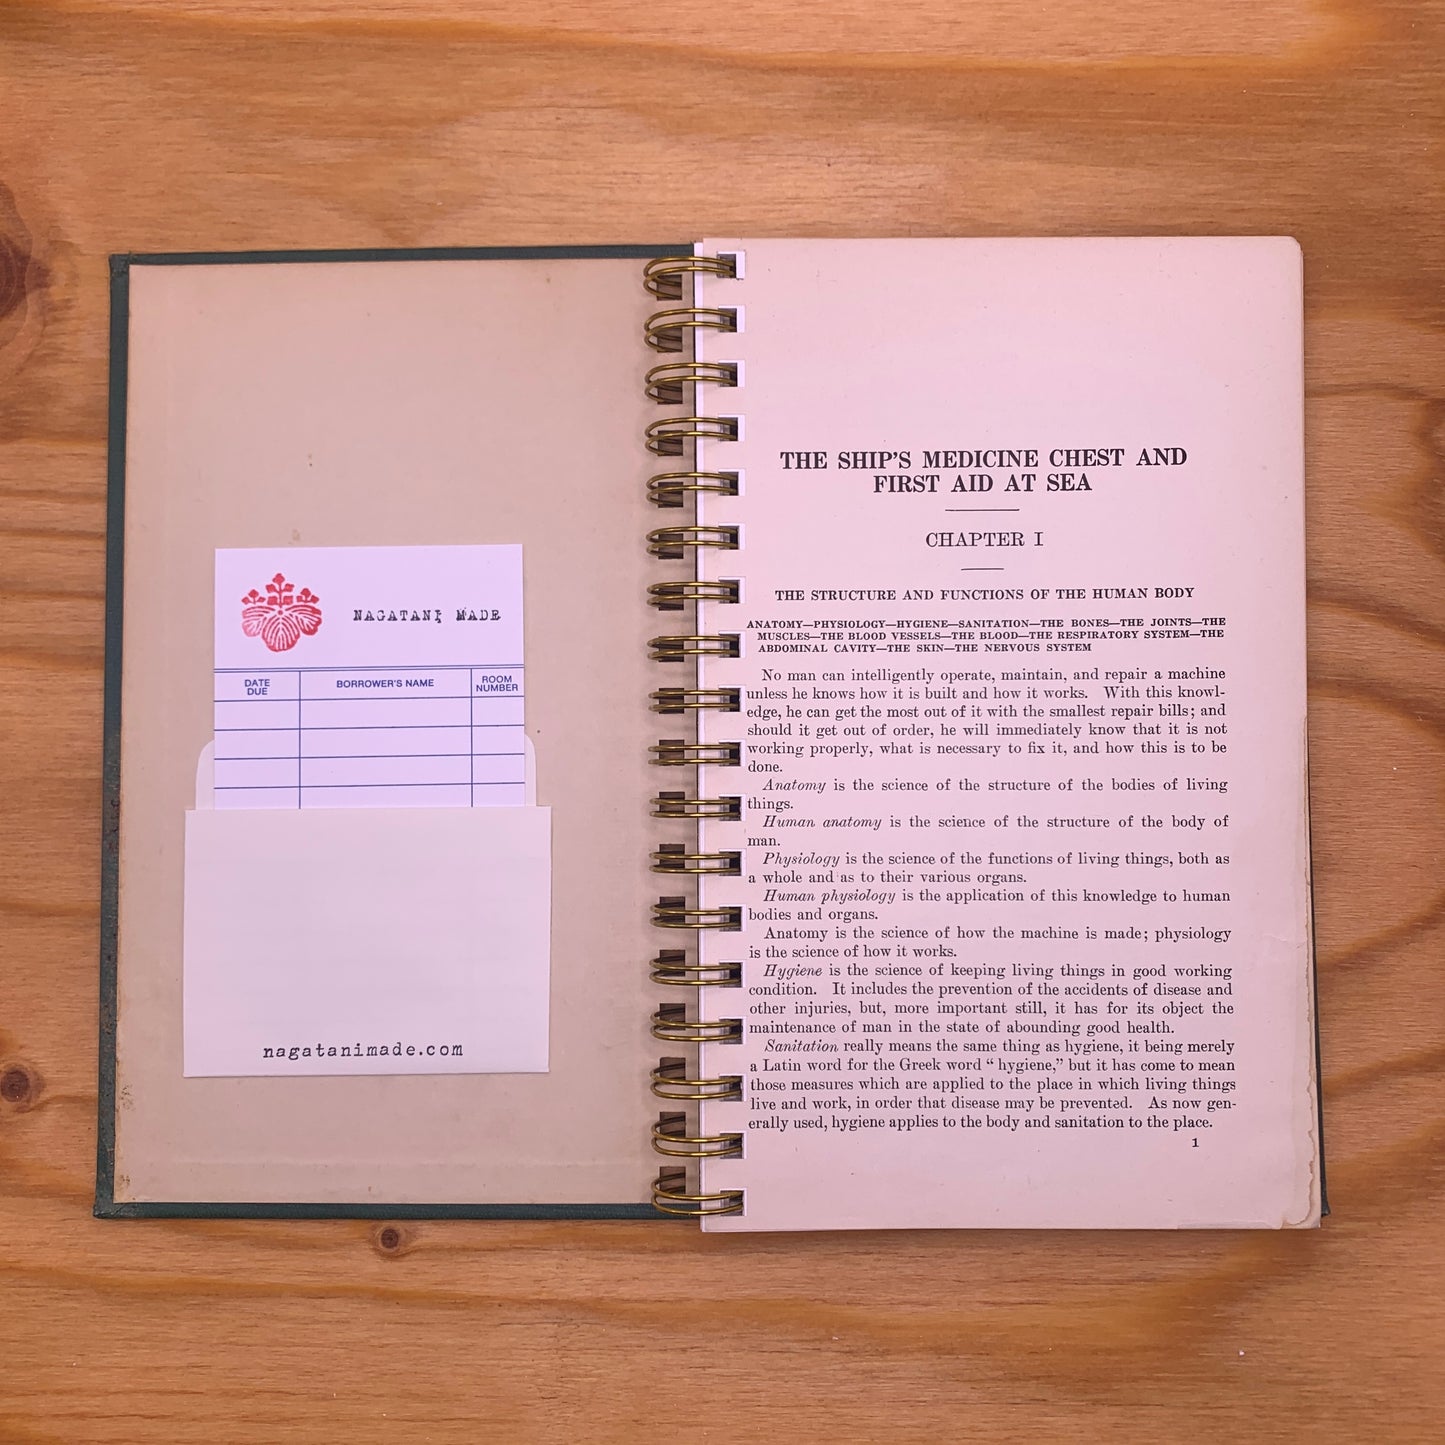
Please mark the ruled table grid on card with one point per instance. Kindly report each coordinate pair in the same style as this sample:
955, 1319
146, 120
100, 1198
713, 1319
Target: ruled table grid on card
312, 737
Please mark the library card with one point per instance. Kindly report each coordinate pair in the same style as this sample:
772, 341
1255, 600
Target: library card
369, 677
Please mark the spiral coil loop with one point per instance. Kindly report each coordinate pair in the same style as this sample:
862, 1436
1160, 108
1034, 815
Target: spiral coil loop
697, 699
670, 1137
695, 644
666, 329
670, 489
673, 968
671, 1024
670, 1081
673, 858
679, 805
671, 541
674, 596
663, 275
678, 753
670, 1196
667, 436
675, 913
667, 384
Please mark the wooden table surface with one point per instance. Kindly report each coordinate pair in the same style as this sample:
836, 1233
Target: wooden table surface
142, 125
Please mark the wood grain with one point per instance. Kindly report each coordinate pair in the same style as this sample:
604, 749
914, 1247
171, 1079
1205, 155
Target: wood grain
172, 126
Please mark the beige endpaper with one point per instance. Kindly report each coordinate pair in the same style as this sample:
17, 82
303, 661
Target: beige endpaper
365, 403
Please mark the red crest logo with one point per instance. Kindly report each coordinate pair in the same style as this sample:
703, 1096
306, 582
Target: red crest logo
280, 617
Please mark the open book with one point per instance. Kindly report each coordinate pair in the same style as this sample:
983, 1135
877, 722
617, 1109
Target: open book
801, 734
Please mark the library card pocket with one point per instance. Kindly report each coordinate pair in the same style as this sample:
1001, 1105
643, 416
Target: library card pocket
366, 941
369, 677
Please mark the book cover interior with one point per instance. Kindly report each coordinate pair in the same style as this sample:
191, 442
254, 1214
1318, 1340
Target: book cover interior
393, 405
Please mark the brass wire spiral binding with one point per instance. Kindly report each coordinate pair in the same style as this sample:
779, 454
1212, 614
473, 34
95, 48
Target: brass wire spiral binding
668, 383
670, 1081
670, 489
697, 699
677, 383
695, 644
670, 1137
667, 436
666, 329
676, 913
670, 541
679, 805
663, 276
679, 753
674, 596
672, 968
672, 1024
669, 1196
673, 858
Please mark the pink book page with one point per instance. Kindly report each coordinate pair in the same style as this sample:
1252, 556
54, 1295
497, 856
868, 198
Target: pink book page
1024, 853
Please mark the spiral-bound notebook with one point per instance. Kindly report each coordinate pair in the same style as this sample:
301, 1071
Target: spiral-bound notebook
797, 734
